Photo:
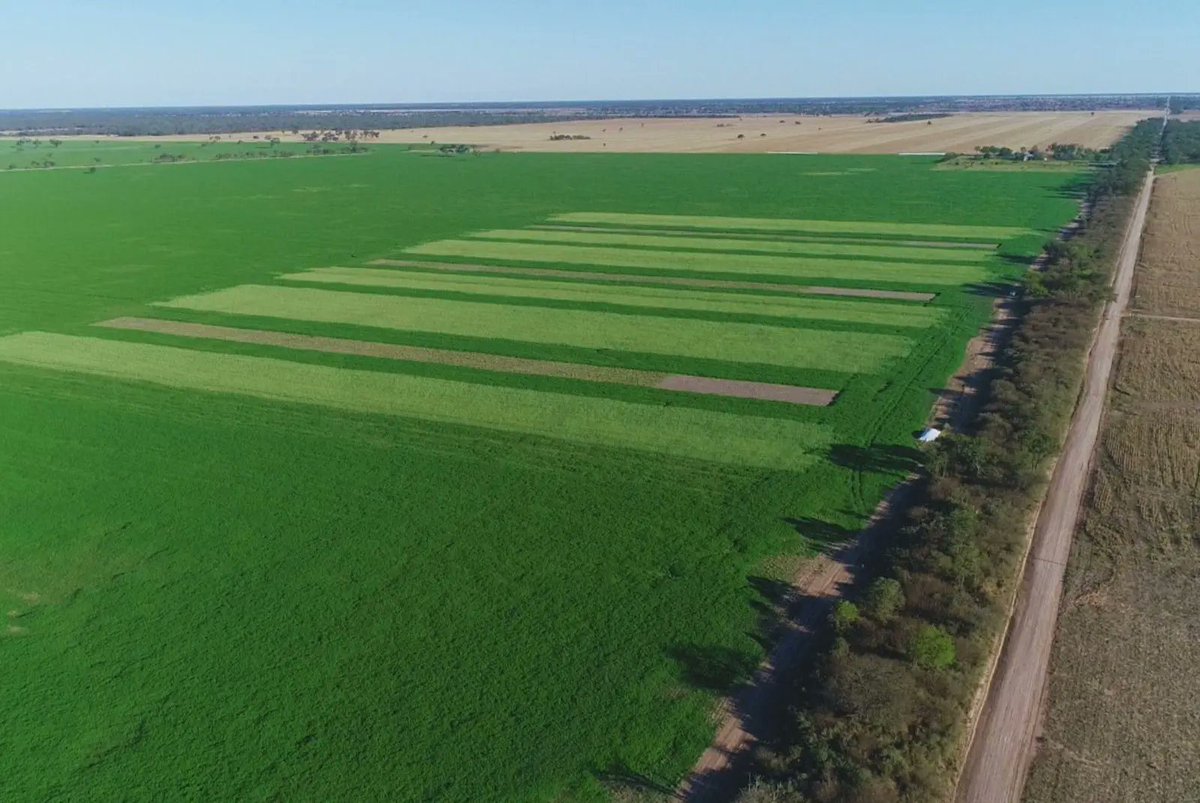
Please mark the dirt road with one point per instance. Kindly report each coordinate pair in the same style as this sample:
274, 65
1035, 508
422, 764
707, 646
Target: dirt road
1001, 747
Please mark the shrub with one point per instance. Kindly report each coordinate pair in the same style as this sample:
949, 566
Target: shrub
845, 615
883, 600
932, 648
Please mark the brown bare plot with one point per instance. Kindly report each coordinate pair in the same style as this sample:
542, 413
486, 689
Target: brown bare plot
675, 281
789, 394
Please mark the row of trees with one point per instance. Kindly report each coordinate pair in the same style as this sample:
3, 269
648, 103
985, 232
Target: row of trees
1057, 151
880, 714
1181, 143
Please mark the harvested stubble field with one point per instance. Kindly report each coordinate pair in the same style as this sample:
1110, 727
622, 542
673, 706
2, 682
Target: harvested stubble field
471, 534
1168, 278
786, 133
1122, 722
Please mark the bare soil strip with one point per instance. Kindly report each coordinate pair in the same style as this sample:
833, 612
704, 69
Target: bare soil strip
815, 397
789, 238
1002, 743
626, 278
741, 389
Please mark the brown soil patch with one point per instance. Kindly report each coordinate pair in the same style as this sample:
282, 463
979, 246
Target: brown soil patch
783, 133
485, 362
748, 390
674, 281
1168, 278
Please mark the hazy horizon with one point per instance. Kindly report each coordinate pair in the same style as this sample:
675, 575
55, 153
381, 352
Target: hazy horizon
171, 54
588, 101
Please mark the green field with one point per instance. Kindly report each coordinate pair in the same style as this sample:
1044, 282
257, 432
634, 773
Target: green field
897, 253
883, 274
235, 570
771, 306
99, 154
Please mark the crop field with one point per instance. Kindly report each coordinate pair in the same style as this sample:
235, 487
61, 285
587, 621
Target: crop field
1123, 686
462, 478
20, 154
1168, 282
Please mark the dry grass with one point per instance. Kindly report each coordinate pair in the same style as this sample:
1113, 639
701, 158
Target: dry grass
831, 134
1123, 721
1168, 280
1160, 363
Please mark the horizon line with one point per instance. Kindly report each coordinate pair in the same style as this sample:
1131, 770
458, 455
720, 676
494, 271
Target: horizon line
592, 101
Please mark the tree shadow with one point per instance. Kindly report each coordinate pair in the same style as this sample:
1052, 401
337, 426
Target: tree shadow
876, 459
618, 777
990, 289
820, 532
712, 668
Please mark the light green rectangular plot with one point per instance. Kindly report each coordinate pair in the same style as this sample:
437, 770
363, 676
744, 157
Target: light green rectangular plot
866, 251
899, 315
910, 274
770, 443
849, 352
934, 230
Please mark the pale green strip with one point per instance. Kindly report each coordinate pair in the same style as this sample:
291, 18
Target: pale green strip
901, 315
769, 443
740, 264
848, 352
897, 252
817, 226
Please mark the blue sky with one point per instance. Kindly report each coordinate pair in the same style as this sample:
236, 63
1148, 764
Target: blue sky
58, 53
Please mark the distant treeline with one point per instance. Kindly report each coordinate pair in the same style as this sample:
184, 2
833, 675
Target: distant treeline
909, 118
231, 119
1181, 143
880, 714
1183, 103
1056, 152
175, 122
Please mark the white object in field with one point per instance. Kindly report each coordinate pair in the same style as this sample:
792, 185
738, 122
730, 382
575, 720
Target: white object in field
930, 435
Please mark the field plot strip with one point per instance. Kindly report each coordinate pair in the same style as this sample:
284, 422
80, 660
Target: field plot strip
790, 394
848, 352
584, 276
678, 431
896, 315
830, 239
897, 253
764, 265
931, 230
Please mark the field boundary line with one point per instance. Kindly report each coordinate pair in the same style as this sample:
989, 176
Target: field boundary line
1149, 316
